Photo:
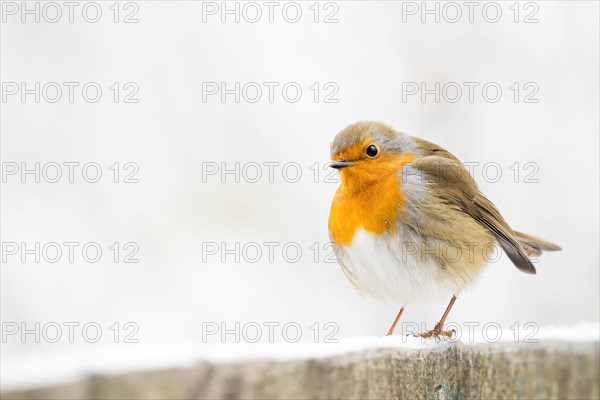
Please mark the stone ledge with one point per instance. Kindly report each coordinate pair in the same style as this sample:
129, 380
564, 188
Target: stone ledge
554, 369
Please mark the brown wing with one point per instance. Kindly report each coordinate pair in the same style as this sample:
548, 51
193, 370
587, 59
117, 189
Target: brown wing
452, 183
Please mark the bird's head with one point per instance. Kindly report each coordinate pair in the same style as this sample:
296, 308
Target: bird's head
367, 152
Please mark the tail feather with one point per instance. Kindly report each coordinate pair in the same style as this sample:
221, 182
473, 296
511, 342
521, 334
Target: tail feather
534, 246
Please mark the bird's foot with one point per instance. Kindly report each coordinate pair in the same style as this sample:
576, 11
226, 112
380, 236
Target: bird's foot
435, 332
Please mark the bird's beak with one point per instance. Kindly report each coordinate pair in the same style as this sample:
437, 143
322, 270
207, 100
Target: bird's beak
339, 164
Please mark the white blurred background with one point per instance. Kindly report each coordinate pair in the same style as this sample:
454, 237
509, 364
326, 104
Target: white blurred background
171, 134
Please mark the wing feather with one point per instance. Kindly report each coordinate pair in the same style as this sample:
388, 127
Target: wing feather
452, 183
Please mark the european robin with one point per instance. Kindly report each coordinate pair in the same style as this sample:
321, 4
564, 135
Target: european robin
408, 222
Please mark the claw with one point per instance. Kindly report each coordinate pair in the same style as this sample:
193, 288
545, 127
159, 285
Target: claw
435, 332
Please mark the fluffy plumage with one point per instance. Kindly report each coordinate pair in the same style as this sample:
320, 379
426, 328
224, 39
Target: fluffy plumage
399, 219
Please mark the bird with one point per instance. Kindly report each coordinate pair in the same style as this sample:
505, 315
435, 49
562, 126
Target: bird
408, 223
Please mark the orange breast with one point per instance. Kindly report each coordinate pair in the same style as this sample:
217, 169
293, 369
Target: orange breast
369, 197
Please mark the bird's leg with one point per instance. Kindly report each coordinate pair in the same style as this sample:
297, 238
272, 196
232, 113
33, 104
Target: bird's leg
437, 330
391, 330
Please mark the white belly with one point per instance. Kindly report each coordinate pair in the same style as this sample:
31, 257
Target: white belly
389, 272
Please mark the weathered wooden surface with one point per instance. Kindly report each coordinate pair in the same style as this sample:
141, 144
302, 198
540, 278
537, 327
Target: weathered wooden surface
549, 370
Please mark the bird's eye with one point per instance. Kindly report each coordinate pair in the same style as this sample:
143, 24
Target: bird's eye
372, 151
